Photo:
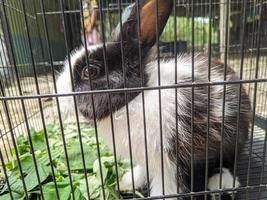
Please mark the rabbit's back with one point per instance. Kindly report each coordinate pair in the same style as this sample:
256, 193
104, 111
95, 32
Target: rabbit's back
161, 121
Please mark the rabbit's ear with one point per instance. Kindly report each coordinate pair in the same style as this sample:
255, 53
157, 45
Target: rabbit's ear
152, 16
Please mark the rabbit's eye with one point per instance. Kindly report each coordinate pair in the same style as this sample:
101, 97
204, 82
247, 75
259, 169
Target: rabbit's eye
90, 72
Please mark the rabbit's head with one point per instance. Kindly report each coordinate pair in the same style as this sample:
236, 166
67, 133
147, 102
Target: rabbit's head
115, 64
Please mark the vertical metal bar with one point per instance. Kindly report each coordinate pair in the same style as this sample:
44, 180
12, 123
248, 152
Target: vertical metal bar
100, 3
177, 156
142, 70
70, 25
12, 104
90, 82
263, 162
126, 99
3, 92
192, 97
78, 126
261, 100
77, 21
208, 103
40, 41
203, 13
4, 145
2, 64
38, 92
188, 26
27, 84
7, 54
252, 44
2, 119
239, 93
159, 93
258, 40
109, 20
15, 148
92, 99
39, 101
54, 84
30, 18
4, 59
63, 14
224, 92
264, 70
25, 117
27, 124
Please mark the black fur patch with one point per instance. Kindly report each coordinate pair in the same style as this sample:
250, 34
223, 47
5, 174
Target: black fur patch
115, 71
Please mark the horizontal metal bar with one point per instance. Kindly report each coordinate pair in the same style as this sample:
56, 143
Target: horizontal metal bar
135, 89
73, 11
194, 194
218, 3
57, 63
59, 12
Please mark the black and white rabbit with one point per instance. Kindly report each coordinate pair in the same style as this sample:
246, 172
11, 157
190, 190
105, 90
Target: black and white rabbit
165, 123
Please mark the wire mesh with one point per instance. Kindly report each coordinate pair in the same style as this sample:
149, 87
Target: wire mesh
38, 38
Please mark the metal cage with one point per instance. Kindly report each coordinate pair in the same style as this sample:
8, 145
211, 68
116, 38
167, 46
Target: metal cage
37, 35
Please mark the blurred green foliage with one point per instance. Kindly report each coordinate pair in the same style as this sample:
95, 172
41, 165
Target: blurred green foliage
184, 31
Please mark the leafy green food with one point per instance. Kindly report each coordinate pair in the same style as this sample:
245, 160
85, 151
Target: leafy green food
72, 175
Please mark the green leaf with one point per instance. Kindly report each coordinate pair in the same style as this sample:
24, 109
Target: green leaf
49, 191
64, 193
64, 190
16, 196
38, 140
16, 184
75, 156
78, 195
44, 158
26, 162
31, 179
95, 187
59, 163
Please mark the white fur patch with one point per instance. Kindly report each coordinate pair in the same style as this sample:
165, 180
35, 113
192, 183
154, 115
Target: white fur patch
227, 181
126, 183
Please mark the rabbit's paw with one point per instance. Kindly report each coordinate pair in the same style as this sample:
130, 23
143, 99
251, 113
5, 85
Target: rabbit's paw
227, 183
126, 183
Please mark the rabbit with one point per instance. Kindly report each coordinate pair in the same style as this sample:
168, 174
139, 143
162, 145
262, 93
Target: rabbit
167, 138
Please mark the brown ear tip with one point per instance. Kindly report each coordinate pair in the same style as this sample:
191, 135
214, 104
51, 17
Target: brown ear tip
154, 12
